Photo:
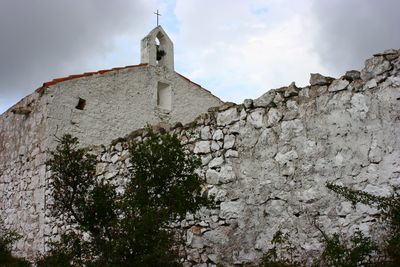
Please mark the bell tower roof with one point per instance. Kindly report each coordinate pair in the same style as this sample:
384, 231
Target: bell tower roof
157, 49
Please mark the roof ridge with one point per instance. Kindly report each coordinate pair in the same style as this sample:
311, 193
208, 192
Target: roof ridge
46, 85
85, 74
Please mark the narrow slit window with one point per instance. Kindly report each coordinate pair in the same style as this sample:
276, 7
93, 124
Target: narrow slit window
81, 104
164, 96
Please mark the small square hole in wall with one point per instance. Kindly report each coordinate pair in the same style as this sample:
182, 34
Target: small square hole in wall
81, 104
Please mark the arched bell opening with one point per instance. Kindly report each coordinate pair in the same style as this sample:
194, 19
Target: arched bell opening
158, 49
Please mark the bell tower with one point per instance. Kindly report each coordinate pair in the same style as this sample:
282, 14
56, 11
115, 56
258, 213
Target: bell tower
157, 49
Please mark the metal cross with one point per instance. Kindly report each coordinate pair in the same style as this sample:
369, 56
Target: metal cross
158, 14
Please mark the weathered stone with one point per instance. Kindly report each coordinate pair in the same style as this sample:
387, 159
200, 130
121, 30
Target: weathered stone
202, 147
242, 256
225, 106
212, 176
215, 146
275, 208
248, 136
243, 115
204, 259
100, 168
266, 100
352, 75
374, 66
193, 255
118, 147
217, 194
229, 141
231, 209
292, 110
248, 103
226, 174
197, 242
292, 90
371, 84
256, 118
291, 129
205, 159
387, 52
231, 154
234, 128
216, 162
227, 117
205, 133
105, 157
274, 116
382, 191
218, 135
285, 161
220, 235
212, 258
375, 153
309, 196
338, 85
318, 79
365, 209
124, 155
345, 208
110, 174
278, 99
356, 85
395, 81
359, 104
114, 158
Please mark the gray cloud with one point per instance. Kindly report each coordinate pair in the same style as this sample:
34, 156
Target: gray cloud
348, 32
44, 39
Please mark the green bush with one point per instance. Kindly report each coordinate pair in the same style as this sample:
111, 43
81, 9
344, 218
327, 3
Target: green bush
390, 211
7, 238
274, 258
357, 250
131, 228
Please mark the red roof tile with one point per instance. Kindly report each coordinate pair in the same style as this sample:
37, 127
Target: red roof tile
46, 85
86, 74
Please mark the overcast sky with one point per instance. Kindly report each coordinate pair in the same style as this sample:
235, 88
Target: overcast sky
237, 49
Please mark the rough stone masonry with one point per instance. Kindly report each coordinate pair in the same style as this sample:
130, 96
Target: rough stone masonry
267, 161
95, 107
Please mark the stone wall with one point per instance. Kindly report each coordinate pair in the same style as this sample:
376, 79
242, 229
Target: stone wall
119, 102
267, 161
23, 142
115, 102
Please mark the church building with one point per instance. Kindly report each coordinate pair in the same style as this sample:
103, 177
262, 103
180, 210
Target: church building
97, 107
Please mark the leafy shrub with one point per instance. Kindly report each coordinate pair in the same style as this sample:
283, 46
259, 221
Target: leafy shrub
130, 228
347, 253
274, 257
7, 238
358, 250
390, 211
